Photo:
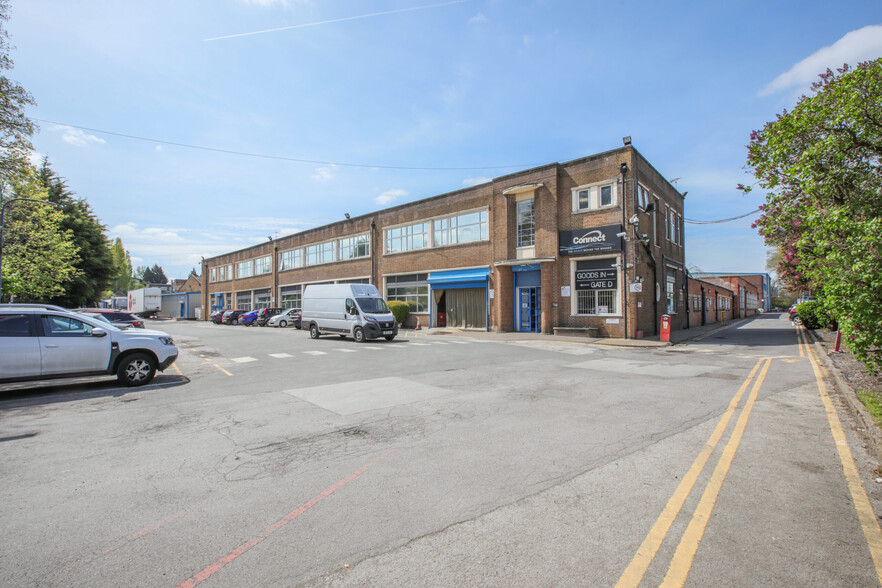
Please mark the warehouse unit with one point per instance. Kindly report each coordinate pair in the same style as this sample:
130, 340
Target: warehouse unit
594, 246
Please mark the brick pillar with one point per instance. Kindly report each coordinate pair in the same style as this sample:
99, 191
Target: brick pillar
546, 277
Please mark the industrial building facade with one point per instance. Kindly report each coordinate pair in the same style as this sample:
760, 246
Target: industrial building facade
593, 245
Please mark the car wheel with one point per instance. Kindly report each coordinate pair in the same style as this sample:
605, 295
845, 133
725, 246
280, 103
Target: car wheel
389, 337
359, 335
136, 369
314, 332
283, 324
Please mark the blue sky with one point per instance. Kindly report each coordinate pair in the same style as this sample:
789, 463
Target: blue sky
471, 89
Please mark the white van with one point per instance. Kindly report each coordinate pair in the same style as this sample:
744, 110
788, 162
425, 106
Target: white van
354, 310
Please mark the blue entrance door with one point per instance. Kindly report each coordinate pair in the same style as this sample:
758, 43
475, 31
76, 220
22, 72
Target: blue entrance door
528, 309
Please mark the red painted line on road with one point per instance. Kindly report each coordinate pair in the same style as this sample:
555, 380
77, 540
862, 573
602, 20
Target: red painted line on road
120, 543
245, 547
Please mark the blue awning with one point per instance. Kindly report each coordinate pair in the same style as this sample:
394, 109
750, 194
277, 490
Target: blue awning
466, 278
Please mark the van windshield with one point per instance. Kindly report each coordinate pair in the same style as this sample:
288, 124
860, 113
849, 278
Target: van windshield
372, 305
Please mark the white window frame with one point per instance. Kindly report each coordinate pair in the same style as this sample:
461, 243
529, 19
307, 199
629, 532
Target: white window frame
531, 230
352, 243
244, 264
594, 191
321, 250
429, 242
574, 298
263, 265
290, 259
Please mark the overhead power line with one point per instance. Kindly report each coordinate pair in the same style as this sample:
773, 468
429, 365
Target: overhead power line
280, 157
722, 220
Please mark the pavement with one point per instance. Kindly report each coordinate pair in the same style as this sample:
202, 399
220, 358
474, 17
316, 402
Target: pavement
678, 336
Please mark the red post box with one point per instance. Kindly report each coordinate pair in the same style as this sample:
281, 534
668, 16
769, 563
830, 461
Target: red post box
665, 334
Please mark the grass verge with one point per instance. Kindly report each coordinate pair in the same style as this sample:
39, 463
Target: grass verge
872, 403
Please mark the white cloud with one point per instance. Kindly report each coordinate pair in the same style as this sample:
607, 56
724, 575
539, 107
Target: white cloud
77, 137
324, 174
478, 19
35, 158
859, 45
475, 181
159, 147
390, 196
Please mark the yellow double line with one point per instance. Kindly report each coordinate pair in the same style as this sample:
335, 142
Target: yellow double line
866, 516
685, 554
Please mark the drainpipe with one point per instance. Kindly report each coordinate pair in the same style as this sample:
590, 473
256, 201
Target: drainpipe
623, 168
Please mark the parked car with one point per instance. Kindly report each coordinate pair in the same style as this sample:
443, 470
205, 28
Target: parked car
248, 318
41, 343
217, 316
266, 314
289, 316
117, 317
231, 317
97, 316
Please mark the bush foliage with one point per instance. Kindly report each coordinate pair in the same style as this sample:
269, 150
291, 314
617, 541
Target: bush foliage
400, 310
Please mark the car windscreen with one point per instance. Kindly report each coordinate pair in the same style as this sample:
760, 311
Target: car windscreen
372, 305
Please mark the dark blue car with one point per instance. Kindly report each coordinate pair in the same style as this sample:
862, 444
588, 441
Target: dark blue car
248, 318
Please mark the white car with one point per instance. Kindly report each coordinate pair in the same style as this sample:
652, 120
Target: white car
289, 316
47, 342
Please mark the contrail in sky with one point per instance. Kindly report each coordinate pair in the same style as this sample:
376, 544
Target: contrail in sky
321, 22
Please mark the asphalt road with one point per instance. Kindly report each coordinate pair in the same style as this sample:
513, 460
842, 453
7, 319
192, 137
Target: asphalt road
264, 458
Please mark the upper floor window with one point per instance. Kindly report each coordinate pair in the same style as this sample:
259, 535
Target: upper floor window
263, 265
464, 228
407, 238
644, 196
320, 253
355, 247
245, 269
526, 224
290, 259
594, 197
221, 273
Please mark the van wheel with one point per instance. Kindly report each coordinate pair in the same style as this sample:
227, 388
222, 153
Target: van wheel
359, 335
136, 370
389, 337
314, 332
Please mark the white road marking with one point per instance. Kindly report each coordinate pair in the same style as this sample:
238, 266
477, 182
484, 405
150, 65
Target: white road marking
421, 344
280, 355
243, 359
315, 353
371, 347
342, 350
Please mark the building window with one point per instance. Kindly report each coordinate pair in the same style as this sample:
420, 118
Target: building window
263, 265
263, 298
407, 238
526, 224
245, 269
412, 289
355, 247
596, 287
670, 292
321, 253
221, 273
243, 300
594, 197
291, 259
643, 196
464, 228
290, 296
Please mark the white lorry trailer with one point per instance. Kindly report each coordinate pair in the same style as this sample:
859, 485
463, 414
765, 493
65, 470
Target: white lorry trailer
353, 310
145, 301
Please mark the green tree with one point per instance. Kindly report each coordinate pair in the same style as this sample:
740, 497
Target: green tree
121, 280
15, 128
94, 265
38, 256
158, 276
820, 164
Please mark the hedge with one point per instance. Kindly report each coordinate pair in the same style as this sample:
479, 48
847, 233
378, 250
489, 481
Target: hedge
400, 310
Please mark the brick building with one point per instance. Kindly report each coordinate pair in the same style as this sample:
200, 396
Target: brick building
710, 302
750, 292
594, 244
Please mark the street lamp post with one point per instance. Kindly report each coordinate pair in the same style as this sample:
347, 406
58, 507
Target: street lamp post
3, 226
